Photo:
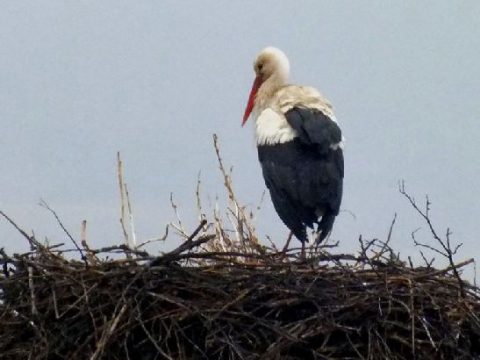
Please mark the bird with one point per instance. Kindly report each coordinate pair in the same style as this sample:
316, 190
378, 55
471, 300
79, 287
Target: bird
300, 147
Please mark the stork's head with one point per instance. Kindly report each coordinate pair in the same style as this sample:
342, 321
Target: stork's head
271, 62
271, 65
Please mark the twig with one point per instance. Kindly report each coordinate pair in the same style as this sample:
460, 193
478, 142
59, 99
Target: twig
45, 205
287, 243
148, 241
152, 340
121, 185
123, 249
446, 270
187, 245
31, 239
32, 292
390, 230
130, 215
178, 227
445, 244
83, 240
107, 333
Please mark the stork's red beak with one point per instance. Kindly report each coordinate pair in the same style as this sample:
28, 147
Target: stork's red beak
251, 99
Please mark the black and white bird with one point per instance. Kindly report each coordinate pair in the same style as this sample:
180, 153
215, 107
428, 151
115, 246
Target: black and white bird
300, 147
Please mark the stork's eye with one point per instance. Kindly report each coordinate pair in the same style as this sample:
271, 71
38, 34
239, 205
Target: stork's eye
260, 66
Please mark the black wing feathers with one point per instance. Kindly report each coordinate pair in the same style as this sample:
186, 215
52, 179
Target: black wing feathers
314, 128
305, 175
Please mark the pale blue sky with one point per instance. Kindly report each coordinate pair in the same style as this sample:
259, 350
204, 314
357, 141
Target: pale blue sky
81, 80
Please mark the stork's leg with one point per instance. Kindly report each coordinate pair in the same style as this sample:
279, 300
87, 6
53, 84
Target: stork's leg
302, 254
317, 240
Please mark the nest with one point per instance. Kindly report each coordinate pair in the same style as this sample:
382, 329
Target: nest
192, 303
223, 295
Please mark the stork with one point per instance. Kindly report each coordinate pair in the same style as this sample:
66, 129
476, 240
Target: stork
300, 147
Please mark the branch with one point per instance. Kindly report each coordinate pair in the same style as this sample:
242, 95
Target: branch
31, 239
45, 205
187, 245
444, 243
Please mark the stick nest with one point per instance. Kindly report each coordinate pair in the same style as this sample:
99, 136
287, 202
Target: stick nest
192, 303
223, 295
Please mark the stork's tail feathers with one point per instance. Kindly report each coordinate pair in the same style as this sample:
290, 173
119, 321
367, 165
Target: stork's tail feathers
324, 227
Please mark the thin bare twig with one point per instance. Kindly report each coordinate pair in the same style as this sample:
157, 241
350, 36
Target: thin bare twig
46, 206
445, 244
31, 239
121, 185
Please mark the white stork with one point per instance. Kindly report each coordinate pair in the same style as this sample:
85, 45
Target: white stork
299, 147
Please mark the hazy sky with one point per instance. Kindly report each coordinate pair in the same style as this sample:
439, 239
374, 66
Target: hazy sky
81, 80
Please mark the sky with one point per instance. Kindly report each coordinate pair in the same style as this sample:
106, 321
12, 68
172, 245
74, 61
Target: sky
81, 80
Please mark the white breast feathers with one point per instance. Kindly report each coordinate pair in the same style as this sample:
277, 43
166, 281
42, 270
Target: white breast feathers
272, 128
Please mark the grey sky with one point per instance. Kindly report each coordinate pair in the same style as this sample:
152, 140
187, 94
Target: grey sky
154, 79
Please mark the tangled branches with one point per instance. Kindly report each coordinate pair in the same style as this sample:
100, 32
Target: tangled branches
193, 304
